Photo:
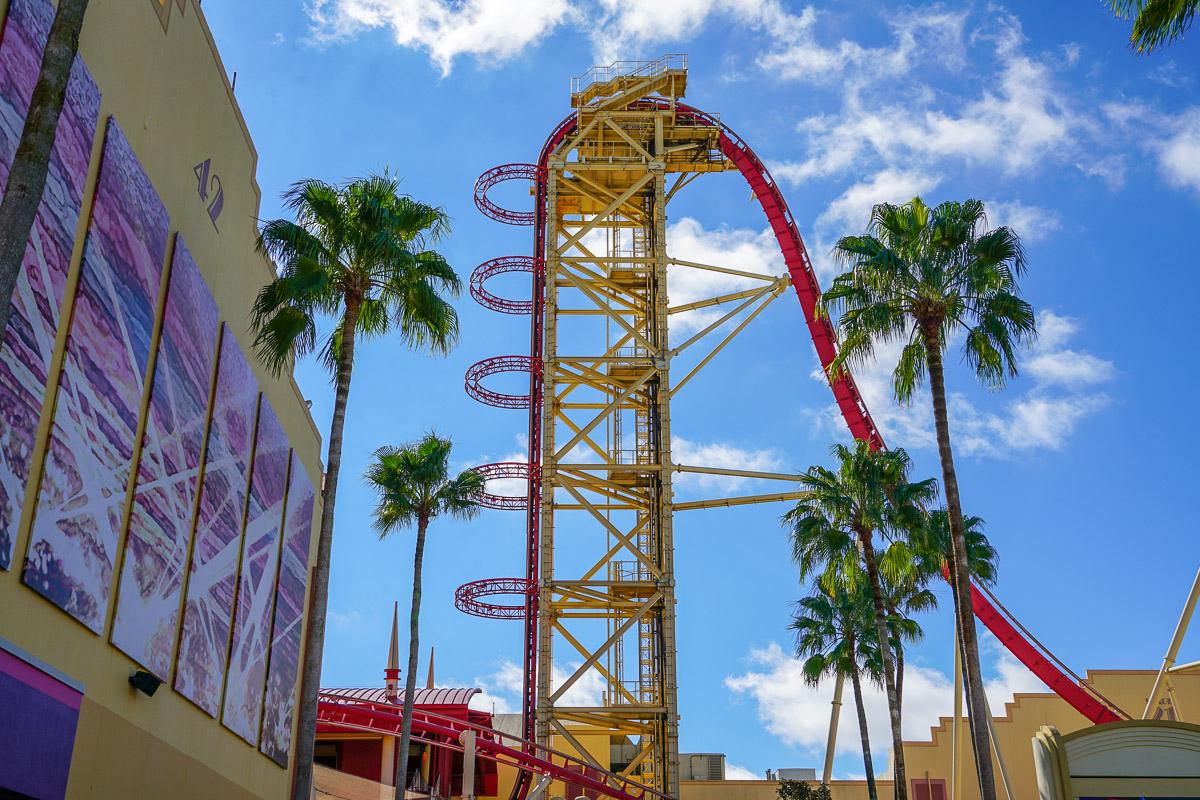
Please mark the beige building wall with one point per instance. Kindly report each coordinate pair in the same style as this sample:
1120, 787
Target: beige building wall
170, 93
1023, 717
1015, 729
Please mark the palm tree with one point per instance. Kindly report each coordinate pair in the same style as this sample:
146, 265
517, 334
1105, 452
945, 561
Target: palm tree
1156, 22
903, 599
415, 487
836, 636
927, 545
27, 175
834, 526
356, 252
920, 276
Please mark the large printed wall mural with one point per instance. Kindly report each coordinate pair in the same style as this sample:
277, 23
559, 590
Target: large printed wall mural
160, 527
256, 591
29, 339
204, 648
289, 614
78, 518
197, 532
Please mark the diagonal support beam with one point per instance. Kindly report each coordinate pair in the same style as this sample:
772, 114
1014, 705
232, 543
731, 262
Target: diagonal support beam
621, 630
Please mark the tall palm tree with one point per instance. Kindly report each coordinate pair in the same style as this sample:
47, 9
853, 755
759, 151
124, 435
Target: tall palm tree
836, 636
835, 525
415, 487
1156, 22
27, 175
356, 252
921, 276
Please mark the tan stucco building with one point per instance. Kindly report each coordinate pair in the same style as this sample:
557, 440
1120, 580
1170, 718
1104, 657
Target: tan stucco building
152, 205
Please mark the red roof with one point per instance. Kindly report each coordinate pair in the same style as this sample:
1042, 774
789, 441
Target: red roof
424, 697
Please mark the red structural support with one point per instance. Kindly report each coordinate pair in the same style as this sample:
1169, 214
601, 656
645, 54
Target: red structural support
500, 266
504, 470
473, 382
495, 175
467, 597
445, 732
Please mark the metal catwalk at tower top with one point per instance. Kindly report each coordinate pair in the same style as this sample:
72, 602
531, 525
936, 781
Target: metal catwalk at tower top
599, 588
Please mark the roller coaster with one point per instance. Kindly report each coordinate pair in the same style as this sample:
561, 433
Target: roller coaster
601, 188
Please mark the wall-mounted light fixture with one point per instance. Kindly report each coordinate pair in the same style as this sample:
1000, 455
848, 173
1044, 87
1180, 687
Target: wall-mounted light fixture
145, 682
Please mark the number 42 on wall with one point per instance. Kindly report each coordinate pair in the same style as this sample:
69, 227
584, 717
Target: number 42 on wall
207, 181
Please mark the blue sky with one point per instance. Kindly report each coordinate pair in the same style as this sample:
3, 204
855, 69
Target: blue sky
1090, 153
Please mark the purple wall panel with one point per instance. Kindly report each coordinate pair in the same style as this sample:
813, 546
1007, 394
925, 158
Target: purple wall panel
289, 612
80, 502
260, 559
38, 735
204, 646
29, 340
161, 524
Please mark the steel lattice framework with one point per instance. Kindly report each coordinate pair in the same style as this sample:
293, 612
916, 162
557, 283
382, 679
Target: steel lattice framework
602, 373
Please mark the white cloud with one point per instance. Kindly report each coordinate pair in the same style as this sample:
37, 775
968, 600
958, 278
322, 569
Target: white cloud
1051, 362
1031, 223
488, 29
1069, 368
345, 620
798, 714
718, 454
733, 772
1179, 154
1011, 678
797, 55
1063, 394
503, 687
499, 29
733, 248
851, 211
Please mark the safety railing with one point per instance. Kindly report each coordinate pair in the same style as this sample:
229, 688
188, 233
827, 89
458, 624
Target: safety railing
628, 69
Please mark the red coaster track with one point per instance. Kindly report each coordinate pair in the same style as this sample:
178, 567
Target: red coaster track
353, 714
849, 400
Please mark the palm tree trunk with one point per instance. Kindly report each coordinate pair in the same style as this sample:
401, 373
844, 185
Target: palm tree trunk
960, 571
892, 612
27, 177
414, 647
872, 791
889, 668
314, 645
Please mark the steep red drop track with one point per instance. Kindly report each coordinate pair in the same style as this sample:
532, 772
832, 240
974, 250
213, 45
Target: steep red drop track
854, 411
1039, 660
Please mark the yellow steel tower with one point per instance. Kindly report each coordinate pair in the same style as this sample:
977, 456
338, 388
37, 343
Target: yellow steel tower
606, 461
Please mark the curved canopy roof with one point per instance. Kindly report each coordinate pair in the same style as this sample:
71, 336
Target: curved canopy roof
424, 697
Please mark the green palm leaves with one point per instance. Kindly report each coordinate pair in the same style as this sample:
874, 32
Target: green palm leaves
415, 486
358, 252
921, 275
834, 530
835, 635
1156, 22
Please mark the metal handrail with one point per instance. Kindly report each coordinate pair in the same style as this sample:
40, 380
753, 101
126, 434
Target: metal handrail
628, 69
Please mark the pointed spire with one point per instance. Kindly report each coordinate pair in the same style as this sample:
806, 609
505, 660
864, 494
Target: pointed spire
429, 680
391, 675
394, 647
